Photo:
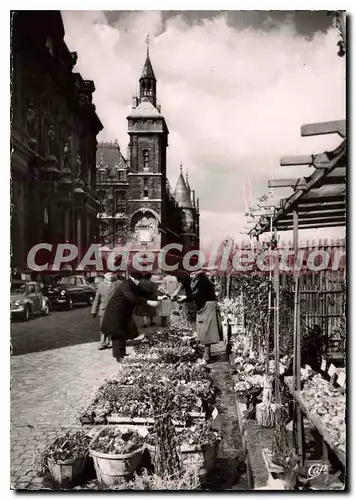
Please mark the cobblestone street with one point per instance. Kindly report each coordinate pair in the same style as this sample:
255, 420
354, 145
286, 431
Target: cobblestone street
55, 370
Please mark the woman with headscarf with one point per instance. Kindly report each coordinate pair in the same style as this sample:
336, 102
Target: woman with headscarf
209, 328
102, 297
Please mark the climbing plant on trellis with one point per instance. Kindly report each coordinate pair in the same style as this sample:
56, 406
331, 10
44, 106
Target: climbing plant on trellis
255, 289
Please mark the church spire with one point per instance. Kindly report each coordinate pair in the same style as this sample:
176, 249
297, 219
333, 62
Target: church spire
148, 80
148, 45
181, 192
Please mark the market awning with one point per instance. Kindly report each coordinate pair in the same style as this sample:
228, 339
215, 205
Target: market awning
319, 200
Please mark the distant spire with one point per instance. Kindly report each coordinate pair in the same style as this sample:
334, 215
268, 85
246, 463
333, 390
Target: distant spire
148, 45
181, 193
148, 80
187, 182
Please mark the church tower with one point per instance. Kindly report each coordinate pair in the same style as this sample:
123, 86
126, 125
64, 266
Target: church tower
147, 177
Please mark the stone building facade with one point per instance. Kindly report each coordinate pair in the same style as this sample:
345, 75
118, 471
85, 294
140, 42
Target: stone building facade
112, 186
154, 216
53, 139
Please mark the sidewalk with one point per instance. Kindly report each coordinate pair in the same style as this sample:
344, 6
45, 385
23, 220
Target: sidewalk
50, 388
48, 391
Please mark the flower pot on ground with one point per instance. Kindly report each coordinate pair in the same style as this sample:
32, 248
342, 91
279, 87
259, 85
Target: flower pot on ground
117, 453
65, 473
64, 459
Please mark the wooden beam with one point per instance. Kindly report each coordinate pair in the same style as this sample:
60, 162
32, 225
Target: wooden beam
263, 214
327, 192
326, 205
281, 183
288, 161
268, 205
333, 127
316, 220
311, 226
335, 212
300, 197
321, 161
296, 184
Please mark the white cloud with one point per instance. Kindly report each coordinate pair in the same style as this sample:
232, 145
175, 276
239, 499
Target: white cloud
234, 100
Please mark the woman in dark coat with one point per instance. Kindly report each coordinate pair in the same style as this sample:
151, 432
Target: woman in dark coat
209, 328
117, 320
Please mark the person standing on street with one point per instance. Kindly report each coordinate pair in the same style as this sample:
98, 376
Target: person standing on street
169, 287
209, 327
151, 289
102, 296
117, 320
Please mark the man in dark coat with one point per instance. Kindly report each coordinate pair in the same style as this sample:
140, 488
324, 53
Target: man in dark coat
117, 320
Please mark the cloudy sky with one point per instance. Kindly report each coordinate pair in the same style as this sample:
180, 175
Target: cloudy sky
235, 88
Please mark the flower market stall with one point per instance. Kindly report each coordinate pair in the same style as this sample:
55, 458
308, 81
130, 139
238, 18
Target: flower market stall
318, 201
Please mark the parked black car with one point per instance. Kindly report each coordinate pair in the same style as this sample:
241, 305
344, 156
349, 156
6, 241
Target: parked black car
69, 290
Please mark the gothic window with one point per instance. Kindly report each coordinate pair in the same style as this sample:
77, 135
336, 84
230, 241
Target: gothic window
120, 202
146, 156
102, 176
121, 175
145, 188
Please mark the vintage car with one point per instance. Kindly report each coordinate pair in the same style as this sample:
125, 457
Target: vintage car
27, 299
69, 290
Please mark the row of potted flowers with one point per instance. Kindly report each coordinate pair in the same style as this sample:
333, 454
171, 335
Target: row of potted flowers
171, 362
119, 451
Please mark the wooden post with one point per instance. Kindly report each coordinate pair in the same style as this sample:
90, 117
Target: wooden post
268, 327
276, 322
298, 430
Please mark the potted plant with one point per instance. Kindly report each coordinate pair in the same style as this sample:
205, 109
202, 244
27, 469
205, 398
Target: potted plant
198, 446
117, 453
65, 458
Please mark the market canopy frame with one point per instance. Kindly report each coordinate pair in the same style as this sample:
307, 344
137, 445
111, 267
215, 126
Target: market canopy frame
319, 200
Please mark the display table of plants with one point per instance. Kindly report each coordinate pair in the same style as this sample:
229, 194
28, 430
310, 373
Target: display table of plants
148, 426
173, 364
325, 407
